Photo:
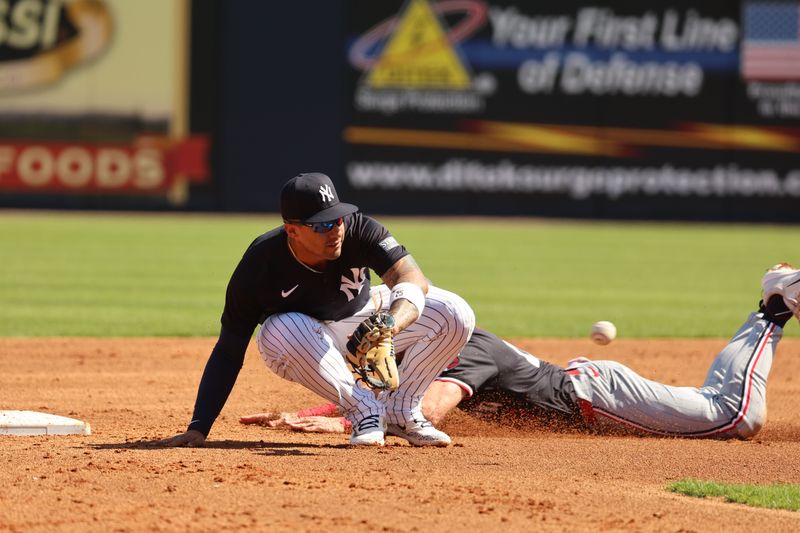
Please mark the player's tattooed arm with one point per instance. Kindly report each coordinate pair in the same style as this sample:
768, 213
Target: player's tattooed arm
405, 270
404, 313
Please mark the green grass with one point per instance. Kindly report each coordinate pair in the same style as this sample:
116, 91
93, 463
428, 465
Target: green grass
778, 496
66, 273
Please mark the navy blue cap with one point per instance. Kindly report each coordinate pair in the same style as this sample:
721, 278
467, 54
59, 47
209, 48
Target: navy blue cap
312, 198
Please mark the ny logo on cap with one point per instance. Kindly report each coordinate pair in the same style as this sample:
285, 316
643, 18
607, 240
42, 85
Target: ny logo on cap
326, 192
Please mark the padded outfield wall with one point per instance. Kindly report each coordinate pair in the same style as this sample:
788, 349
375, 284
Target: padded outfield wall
665, 110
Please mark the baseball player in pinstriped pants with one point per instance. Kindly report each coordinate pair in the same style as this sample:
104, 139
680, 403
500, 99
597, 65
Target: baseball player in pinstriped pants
491, 378
307, 283
309, 352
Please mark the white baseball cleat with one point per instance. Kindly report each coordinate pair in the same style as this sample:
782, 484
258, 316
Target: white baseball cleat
369, 431
783, 280
419, 433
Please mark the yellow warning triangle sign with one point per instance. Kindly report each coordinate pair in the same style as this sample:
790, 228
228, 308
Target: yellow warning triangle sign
418, 55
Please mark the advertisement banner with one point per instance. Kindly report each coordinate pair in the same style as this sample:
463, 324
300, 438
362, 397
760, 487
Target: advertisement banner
670, 109
149, 165
93, 98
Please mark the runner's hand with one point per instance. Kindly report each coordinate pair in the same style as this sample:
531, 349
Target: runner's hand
270, 420
316, 424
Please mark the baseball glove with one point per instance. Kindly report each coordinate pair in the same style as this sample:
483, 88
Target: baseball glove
370, 353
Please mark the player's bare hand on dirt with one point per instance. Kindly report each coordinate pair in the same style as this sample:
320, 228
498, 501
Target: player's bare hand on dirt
270, 420
316, 424
191, 438
306, 424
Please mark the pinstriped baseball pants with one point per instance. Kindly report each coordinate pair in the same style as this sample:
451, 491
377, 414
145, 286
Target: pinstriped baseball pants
310, 352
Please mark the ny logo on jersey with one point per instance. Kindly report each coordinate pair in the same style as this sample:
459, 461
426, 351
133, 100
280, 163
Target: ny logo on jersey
326, 192
355, 285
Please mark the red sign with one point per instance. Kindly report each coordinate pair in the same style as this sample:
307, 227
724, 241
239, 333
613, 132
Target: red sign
148, 165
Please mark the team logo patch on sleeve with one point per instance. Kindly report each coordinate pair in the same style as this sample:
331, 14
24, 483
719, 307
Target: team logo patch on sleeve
388, 243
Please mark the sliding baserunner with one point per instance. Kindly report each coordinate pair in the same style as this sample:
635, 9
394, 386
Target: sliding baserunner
492, 376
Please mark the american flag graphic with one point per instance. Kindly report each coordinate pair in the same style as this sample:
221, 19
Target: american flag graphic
771, 41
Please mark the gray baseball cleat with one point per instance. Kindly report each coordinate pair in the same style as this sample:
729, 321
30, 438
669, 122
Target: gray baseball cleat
419, 433
368, 431
783, 280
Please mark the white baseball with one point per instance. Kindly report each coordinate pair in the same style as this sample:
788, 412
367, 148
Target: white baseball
603, 332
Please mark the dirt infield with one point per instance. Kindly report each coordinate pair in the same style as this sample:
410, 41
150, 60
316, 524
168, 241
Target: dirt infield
136, 390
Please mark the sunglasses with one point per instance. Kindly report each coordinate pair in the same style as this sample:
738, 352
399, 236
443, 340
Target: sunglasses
320, 227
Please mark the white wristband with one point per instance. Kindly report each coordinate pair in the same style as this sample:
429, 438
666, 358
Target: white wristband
408, 291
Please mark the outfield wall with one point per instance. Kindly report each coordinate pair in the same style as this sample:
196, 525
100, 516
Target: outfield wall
665, 110
669, 109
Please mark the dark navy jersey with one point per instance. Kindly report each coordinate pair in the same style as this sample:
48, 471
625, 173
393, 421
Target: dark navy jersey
269, 280
502, 378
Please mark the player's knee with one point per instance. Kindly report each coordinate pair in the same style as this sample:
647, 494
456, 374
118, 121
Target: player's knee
751, 424
468, 318
460, 318
463, 312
